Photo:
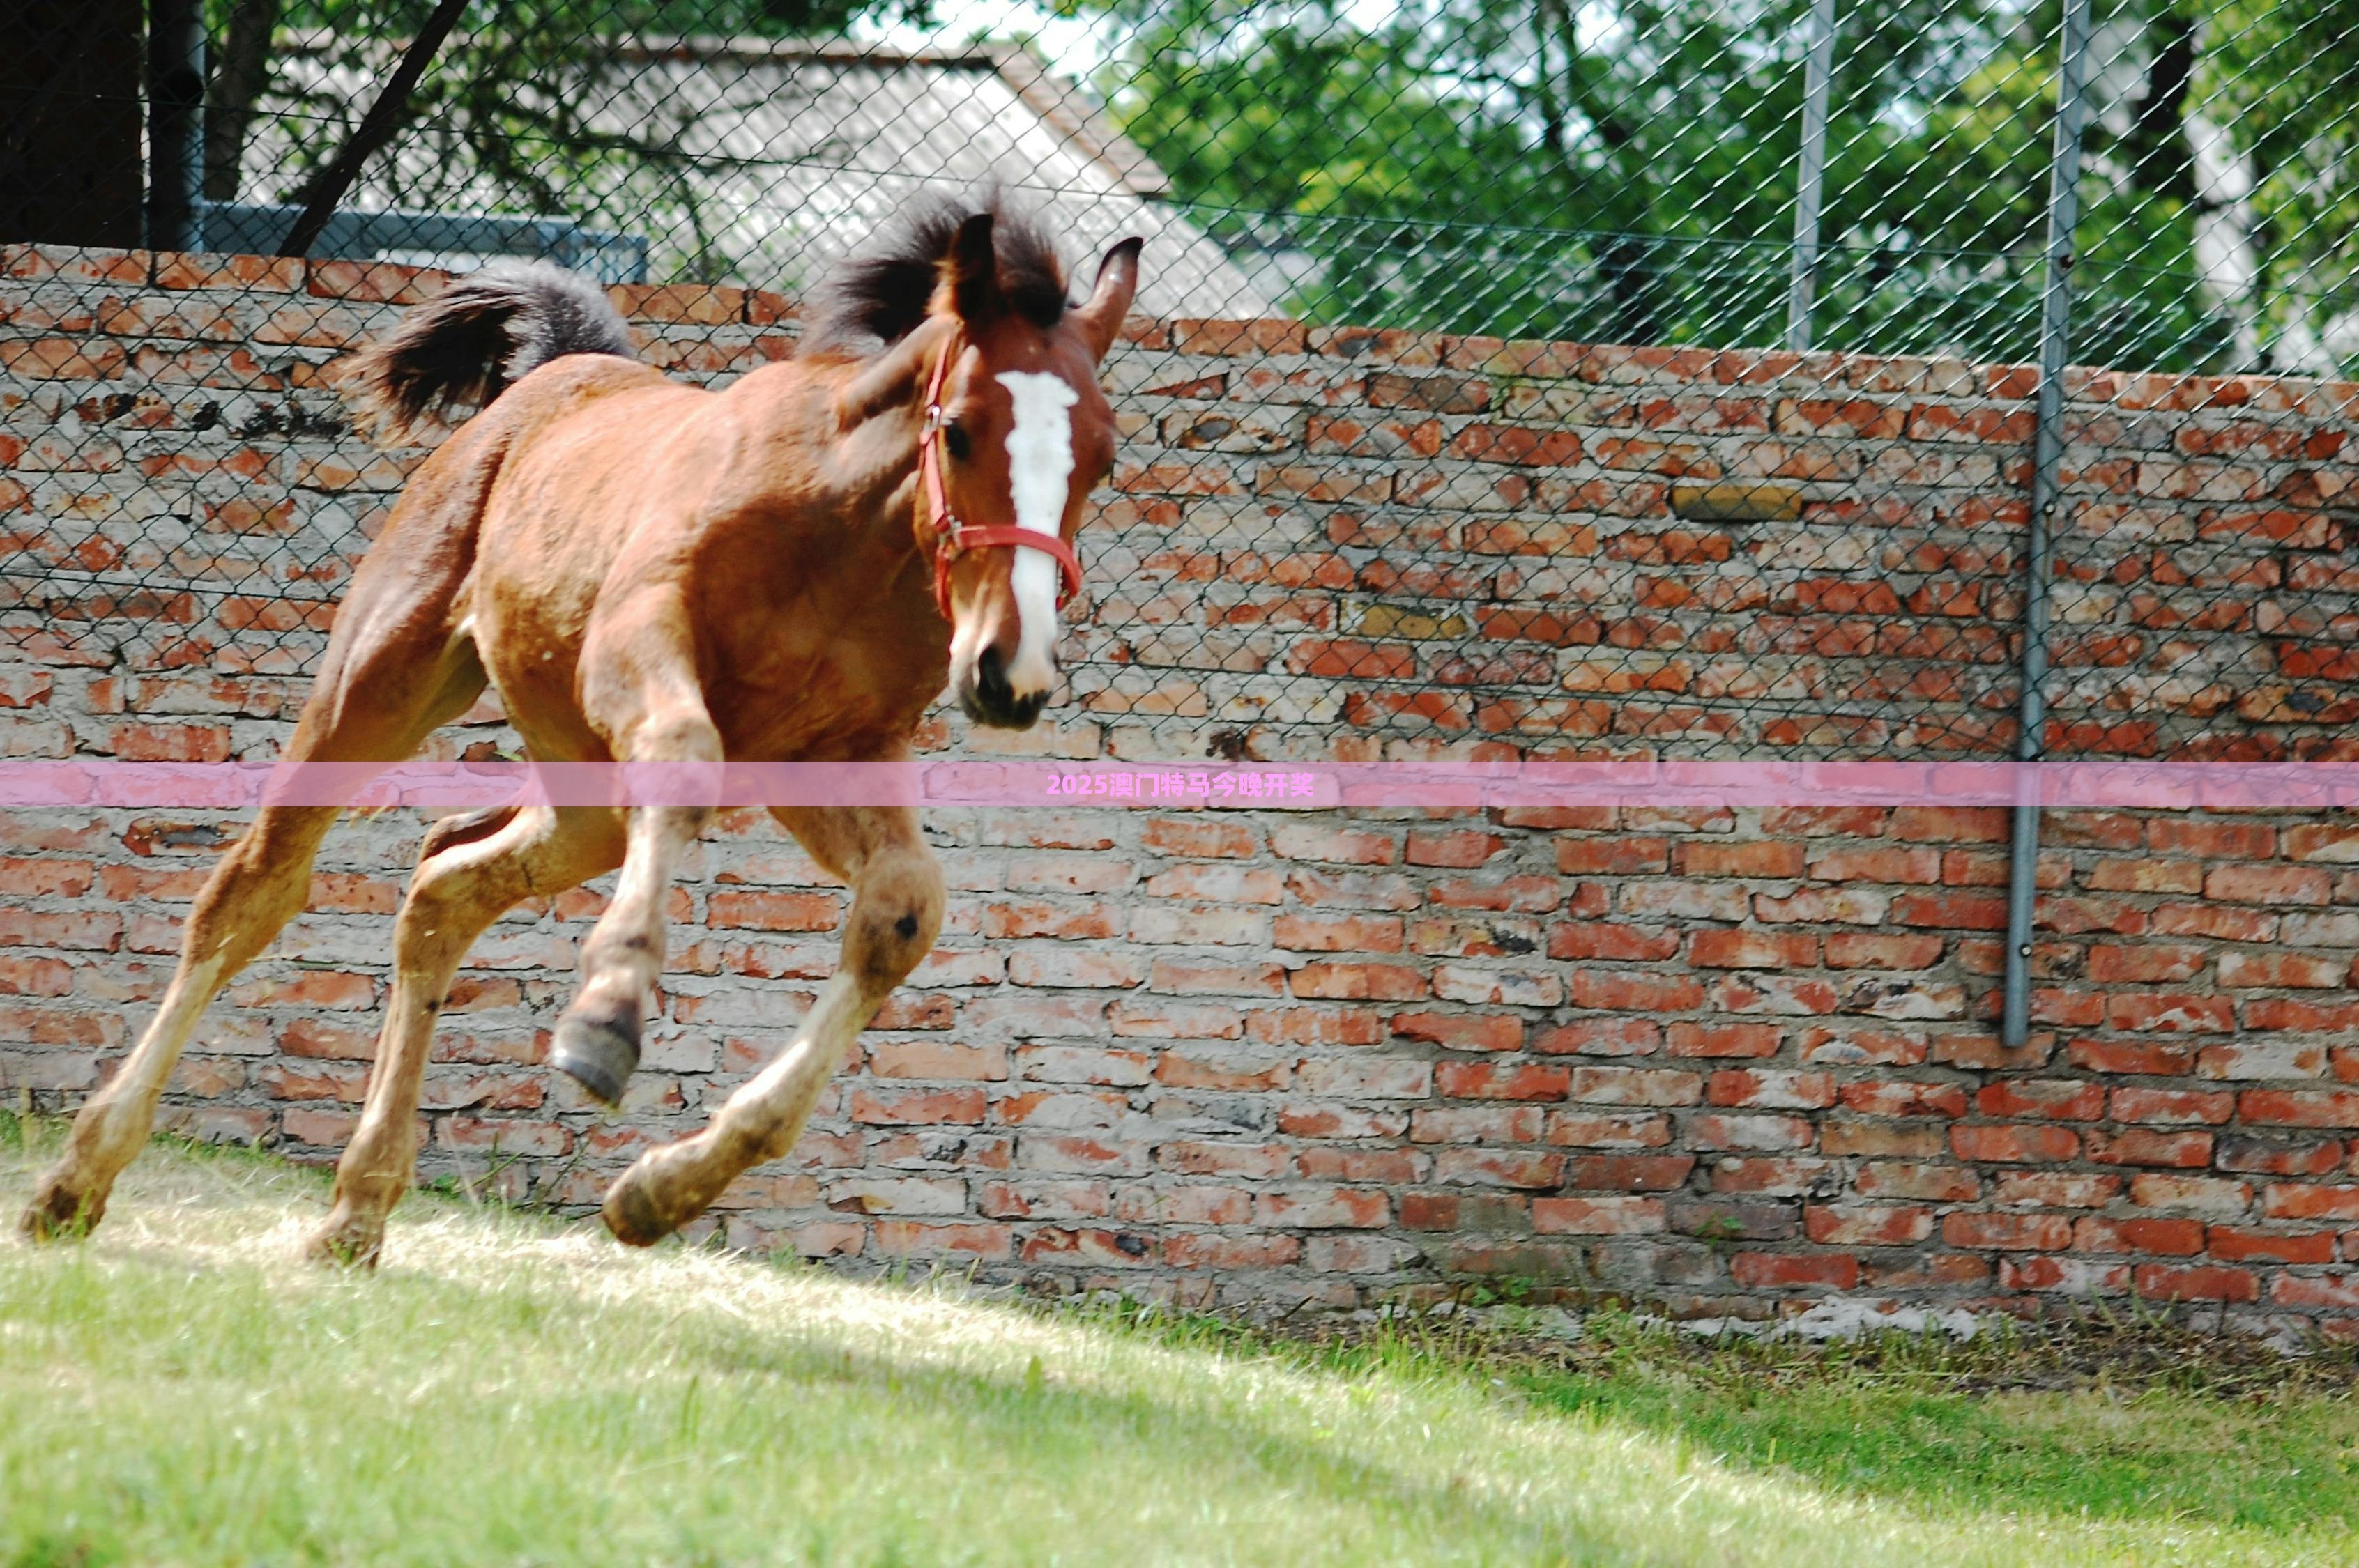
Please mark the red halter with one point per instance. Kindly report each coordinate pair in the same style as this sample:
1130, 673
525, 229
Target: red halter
954, 537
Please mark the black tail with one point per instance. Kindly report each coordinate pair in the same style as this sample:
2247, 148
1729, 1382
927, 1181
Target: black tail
468, 342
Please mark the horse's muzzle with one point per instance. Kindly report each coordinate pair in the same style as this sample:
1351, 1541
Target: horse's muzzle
986, 698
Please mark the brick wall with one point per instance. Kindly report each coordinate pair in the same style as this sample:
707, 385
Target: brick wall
1718, 1059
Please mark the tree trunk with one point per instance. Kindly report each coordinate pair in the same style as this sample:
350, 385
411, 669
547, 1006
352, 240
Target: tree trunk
237, 84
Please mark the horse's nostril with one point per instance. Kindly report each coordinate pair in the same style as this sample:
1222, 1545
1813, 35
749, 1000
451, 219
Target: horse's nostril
991, 677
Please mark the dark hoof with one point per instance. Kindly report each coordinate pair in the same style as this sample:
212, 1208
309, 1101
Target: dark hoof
631, 1216
57, 1214
598, 1053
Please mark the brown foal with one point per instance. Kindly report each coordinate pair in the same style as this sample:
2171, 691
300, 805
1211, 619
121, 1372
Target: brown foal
653, 573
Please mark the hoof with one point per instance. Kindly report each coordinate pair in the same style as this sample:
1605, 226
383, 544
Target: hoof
598, 1053
631, 1215
58, 1214
346, 1242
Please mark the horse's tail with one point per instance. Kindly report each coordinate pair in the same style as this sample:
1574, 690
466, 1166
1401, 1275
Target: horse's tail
470, 341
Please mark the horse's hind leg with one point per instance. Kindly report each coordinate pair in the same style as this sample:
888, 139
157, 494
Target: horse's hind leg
259, 884
896, 908
469, 872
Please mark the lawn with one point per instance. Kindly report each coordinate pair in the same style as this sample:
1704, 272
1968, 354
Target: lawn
511, 1389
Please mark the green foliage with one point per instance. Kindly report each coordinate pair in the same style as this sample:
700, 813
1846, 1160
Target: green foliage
1628, 171
2281, 79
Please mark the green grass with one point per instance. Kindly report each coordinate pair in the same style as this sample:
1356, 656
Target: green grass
510, 1389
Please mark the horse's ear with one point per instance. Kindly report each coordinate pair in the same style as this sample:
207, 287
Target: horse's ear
1109, 302
973, 270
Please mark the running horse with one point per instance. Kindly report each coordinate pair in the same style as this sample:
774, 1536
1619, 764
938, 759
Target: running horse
650, 572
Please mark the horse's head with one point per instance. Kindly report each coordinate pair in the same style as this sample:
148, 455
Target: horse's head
1017, 434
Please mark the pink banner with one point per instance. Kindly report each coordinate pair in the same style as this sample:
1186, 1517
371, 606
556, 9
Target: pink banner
1284, 786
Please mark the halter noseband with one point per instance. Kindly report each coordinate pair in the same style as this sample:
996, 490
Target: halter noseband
954, 537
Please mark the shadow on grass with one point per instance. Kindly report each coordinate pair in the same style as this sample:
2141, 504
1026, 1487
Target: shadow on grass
1851, 1426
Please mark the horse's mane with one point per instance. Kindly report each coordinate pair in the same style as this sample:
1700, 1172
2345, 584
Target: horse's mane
879, 295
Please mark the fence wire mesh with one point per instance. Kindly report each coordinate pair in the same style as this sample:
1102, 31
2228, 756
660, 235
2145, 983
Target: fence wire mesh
1429, 520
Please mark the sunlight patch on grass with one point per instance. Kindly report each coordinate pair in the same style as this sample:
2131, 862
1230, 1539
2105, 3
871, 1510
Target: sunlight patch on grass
509, 1389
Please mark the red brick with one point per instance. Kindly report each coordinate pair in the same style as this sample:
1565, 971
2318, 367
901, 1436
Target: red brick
2281, 1156
1726, 948
2203, 1195
2012, 1232
1460, 850
2171, 1106
2290, 1200
1192, 976
2054, 1189
1903, 1097
2235, 1245
2146, 964
1771, 1176
1772, 1091
2169, 1012
2132, 1057
1608, 1130
2267, 884
2329, 841
1763, 858
2117, 874
1610, 1216
1184, 836
1866, 1226
1358, 982
1876, 864
1971, 911
1343, 846
1931, 1183
1338, 933
1632, 992
1601, 1037
1612, 857
1634, 1086
2168, 1238
2301, 1108
1767, 1269
2161, 1283
2181, 1151
1629, 1172
1723, 1040
1499, 1168
1595, 940
2270, 971
916, 1107
1462, 1032
774, 911
1882, 950
2039, 1144
1756, 1132
1499, 1080
2060, 1099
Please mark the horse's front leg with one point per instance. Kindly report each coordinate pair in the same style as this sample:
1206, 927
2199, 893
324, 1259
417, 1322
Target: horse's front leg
897, 909
640, 692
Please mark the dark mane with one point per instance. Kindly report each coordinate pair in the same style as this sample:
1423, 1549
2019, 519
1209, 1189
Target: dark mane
878, 296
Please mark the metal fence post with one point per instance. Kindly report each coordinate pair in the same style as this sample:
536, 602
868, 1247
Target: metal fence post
1817, 79
2047, 454
176, 123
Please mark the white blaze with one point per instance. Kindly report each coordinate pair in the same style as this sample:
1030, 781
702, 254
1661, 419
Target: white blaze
1040, 464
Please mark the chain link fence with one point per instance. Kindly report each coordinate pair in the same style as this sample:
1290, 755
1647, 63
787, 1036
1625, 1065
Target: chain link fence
1833, 209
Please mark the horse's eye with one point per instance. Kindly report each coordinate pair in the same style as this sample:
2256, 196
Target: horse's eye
954, 437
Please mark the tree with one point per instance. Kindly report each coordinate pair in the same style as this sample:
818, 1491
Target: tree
1626, 169
511, 99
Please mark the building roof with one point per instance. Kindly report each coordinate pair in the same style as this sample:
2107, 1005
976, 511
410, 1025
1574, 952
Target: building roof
773, 159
